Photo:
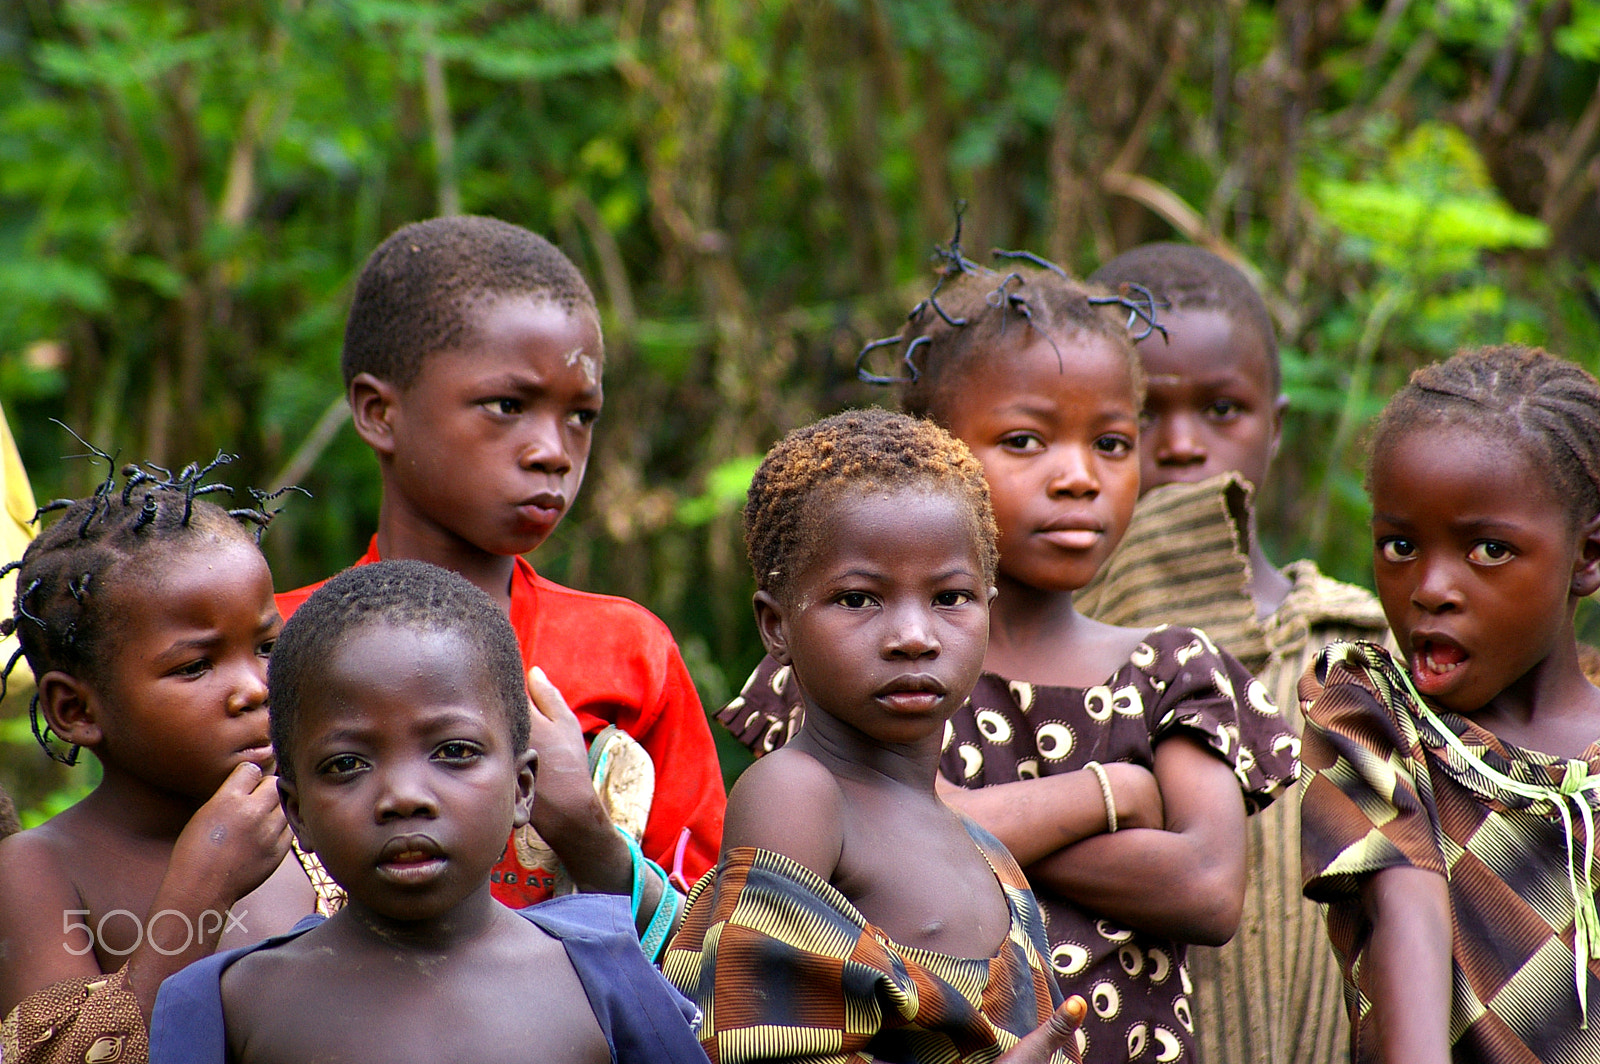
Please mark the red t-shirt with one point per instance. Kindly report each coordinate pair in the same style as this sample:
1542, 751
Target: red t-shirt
615, 662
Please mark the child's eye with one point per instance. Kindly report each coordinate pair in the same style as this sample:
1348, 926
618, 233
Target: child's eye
1022, 441
504, 406
265, 649
953, 598
1115, 445
340, 765
457, 750
854, 600
1224, 410
1489, 552
582, 419
192, 669
1396, 549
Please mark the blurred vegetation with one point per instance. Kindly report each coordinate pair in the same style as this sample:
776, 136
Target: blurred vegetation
187, 191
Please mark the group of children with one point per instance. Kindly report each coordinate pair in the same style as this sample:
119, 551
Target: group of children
1029, 702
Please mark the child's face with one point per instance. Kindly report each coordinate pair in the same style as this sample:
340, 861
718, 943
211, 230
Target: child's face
406, 785
887, 625
184, 696
1059, 445
1210, 404
1475, 558
487, 447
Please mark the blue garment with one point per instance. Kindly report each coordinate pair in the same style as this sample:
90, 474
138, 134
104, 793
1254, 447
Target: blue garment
644, 1019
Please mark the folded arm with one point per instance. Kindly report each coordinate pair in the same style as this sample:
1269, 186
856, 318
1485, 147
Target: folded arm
1185, 880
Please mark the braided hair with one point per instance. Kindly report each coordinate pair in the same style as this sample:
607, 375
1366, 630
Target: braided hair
66, 577
1524, 393
858, 450
973, 311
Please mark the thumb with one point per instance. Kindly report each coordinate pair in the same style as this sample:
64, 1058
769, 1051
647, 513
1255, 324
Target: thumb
1054, 1034
243, 780
546, 697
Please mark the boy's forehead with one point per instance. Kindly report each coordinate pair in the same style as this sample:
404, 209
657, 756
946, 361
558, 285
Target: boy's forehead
526, 331
1205, 342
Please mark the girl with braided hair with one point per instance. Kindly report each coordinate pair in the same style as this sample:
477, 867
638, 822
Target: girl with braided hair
1116, 764
146, 613
1449, 814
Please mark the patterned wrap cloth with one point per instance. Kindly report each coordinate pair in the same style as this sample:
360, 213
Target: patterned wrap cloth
783, 967
1274, 994
1392, 784
1176, 683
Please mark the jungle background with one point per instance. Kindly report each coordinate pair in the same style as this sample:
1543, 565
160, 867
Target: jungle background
753, 187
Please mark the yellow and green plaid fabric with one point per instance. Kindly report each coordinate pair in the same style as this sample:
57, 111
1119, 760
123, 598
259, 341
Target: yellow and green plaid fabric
1386, 787
783, 967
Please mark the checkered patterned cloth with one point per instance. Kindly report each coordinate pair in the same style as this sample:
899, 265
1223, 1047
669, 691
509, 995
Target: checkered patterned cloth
1386, 787
785, 968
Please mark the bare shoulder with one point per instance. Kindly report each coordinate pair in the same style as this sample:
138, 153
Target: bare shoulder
788, 802
34, 870
44, 937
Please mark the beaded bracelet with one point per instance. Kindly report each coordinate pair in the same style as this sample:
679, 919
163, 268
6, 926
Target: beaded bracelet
1099, 771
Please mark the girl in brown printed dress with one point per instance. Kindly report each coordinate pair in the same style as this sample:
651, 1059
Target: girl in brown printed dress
1074, 725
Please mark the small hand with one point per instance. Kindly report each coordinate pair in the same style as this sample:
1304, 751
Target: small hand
563, 774
1056, 1033
236, 840
567, 812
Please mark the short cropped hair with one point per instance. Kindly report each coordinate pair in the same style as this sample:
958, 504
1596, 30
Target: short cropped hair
979, 314
419, 291
1546, 404
1192, 278
856, 451
403, 594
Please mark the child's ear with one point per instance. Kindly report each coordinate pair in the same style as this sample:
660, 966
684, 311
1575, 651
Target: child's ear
289, 800
770, 623
71, 708
372, 405
1280, 406
1586, 573
527, 769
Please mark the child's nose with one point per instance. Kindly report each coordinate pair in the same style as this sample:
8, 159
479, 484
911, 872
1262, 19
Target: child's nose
1176, 441
1074, 475
545, 448
404, 796
911, 635
249, 693
1436, 589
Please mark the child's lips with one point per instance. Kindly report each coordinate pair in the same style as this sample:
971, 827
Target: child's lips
261, 754
542, 508
1073, 533
911, 694
1435, 663
410, 859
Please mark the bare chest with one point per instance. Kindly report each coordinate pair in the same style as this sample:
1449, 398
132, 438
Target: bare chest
918, 876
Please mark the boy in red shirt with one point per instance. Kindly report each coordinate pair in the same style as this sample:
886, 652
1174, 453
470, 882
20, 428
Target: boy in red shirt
472, 363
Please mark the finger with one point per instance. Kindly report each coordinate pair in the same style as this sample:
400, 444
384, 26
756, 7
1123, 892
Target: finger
1053, 1035
243, 780
546, 697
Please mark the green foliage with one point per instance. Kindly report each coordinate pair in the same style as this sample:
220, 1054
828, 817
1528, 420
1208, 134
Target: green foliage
187, 192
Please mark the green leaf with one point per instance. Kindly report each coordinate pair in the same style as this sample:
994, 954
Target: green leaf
726, 488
